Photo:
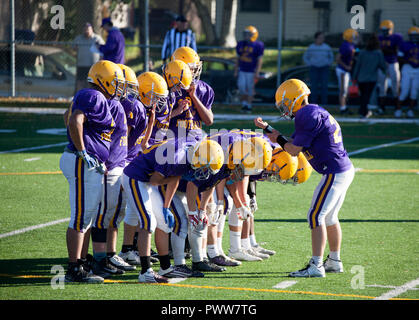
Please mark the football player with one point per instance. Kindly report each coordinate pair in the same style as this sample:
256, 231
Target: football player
256, 155
89, 131
389, 43
410, 73
318, 135
140, 110
248, 65
194, 217
160, 164
193, 106
345, 59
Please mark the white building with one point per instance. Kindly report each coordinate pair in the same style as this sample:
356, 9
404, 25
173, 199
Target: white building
302, 18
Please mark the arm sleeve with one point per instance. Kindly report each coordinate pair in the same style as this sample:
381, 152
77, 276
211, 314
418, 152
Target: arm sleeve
109, 45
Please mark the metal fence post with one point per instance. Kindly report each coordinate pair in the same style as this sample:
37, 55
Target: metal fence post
12, 49
147, 37
280, 15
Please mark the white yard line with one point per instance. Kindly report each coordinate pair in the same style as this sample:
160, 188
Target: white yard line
46, 146
38, 226
385, 145
385, 287
33, 110
284, 284
399, 290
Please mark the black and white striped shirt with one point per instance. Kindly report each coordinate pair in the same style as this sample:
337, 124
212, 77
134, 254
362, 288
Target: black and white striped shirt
175, 39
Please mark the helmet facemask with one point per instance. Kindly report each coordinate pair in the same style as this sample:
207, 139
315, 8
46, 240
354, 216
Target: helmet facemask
131, 91
157, 100
196, 69
201, 172
286, 106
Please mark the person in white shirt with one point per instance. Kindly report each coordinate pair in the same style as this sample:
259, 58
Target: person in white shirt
85, 56
319, 57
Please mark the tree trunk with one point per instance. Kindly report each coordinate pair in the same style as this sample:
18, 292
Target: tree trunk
89, 11
228, 24
207, 26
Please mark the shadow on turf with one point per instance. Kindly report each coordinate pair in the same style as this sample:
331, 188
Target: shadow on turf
340, 220
21, 272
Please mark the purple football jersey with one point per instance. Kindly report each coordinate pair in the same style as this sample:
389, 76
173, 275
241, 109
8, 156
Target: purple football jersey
390, 45
168, 157
137, 119
411, 53
248, 53
347, 52
99, 125
119, 145
321, 138
189, 123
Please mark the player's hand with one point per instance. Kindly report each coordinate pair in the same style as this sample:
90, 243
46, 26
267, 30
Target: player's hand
193, 218
260, 123
253, 205
101, 168
203, 218
183, 105
169, 218
244, 213
192, 89
89, 160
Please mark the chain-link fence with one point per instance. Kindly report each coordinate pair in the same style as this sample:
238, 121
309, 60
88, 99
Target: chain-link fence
55, 45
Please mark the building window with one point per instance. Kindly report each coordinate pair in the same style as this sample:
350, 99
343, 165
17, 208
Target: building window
255, 6
351, 3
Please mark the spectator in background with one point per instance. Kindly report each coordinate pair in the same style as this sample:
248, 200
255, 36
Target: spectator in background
114, 48
85, 56
319, 57
370, 60
179, 36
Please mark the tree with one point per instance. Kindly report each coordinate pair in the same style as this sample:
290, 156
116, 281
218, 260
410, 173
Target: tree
228, 23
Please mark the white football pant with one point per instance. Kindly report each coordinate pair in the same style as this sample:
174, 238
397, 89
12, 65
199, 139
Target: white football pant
85, 190
409, 85
393, 72
328, 198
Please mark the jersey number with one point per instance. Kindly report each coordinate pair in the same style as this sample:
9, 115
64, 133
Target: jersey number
337, 136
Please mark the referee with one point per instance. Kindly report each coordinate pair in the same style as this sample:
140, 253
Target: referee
179, 36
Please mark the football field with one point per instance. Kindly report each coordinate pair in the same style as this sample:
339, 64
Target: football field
379, 219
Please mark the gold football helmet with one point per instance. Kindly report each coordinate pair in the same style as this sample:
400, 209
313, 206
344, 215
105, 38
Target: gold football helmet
289, 97
109, 77
251, 155
207, 158
131, 83
350, 35
413, 34
387, 24
304, 170
191, 58
282, 167
152, 90
251, 33
178, 76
